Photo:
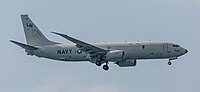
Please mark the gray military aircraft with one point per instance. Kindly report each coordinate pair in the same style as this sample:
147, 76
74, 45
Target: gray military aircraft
123, 54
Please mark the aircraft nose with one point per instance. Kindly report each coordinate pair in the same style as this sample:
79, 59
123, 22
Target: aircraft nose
186, 51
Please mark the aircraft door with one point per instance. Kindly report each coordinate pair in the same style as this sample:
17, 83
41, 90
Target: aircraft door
166, 50
165, 46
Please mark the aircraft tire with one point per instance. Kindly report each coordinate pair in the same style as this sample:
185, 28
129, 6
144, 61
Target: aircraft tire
105, 67
169, 63
98, 63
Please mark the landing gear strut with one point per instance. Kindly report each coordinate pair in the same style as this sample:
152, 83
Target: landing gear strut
172, 58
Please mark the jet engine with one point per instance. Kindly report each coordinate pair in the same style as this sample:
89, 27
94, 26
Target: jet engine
126, 63
115, 55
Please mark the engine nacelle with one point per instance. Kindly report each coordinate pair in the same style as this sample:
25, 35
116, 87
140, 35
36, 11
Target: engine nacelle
126, 63
115, 55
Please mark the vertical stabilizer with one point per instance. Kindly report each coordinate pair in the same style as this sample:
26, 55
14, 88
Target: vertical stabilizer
33, 35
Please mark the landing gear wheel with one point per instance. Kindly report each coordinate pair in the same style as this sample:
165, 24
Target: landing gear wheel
169, 63
105, 67
98, 63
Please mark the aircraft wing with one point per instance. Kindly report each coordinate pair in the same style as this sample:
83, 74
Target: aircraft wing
88, 48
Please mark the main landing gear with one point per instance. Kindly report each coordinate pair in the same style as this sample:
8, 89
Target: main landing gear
98, 63
105, 67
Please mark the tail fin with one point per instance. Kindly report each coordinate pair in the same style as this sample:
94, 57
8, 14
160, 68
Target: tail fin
34, 36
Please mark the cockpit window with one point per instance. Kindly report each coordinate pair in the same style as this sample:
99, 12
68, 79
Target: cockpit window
175, 45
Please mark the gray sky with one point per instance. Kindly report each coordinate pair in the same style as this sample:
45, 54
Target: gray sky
99, 21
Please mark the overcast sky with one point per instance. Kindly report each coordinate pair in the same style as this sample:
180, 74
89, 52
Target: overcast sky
175, 21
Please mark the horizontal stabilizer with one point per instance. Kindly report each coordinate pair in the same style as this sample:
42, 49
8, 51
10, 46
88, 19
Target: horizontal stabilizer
25, 46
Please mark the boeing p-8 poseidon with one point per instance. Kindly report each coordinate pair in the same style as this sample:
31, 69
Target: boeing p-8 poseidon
123, 54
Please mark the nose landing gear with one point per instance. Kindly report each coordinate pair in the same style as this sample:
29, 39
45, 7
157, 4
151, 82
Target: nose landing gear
169, 63
172, 58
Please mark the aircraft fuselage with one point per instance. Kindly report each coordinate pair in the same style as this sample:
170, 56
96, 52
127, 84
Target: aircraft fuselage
132, 50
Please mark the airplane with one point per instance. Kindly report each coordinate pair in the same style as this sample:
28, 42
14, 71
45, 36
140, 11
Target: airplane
124, 54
